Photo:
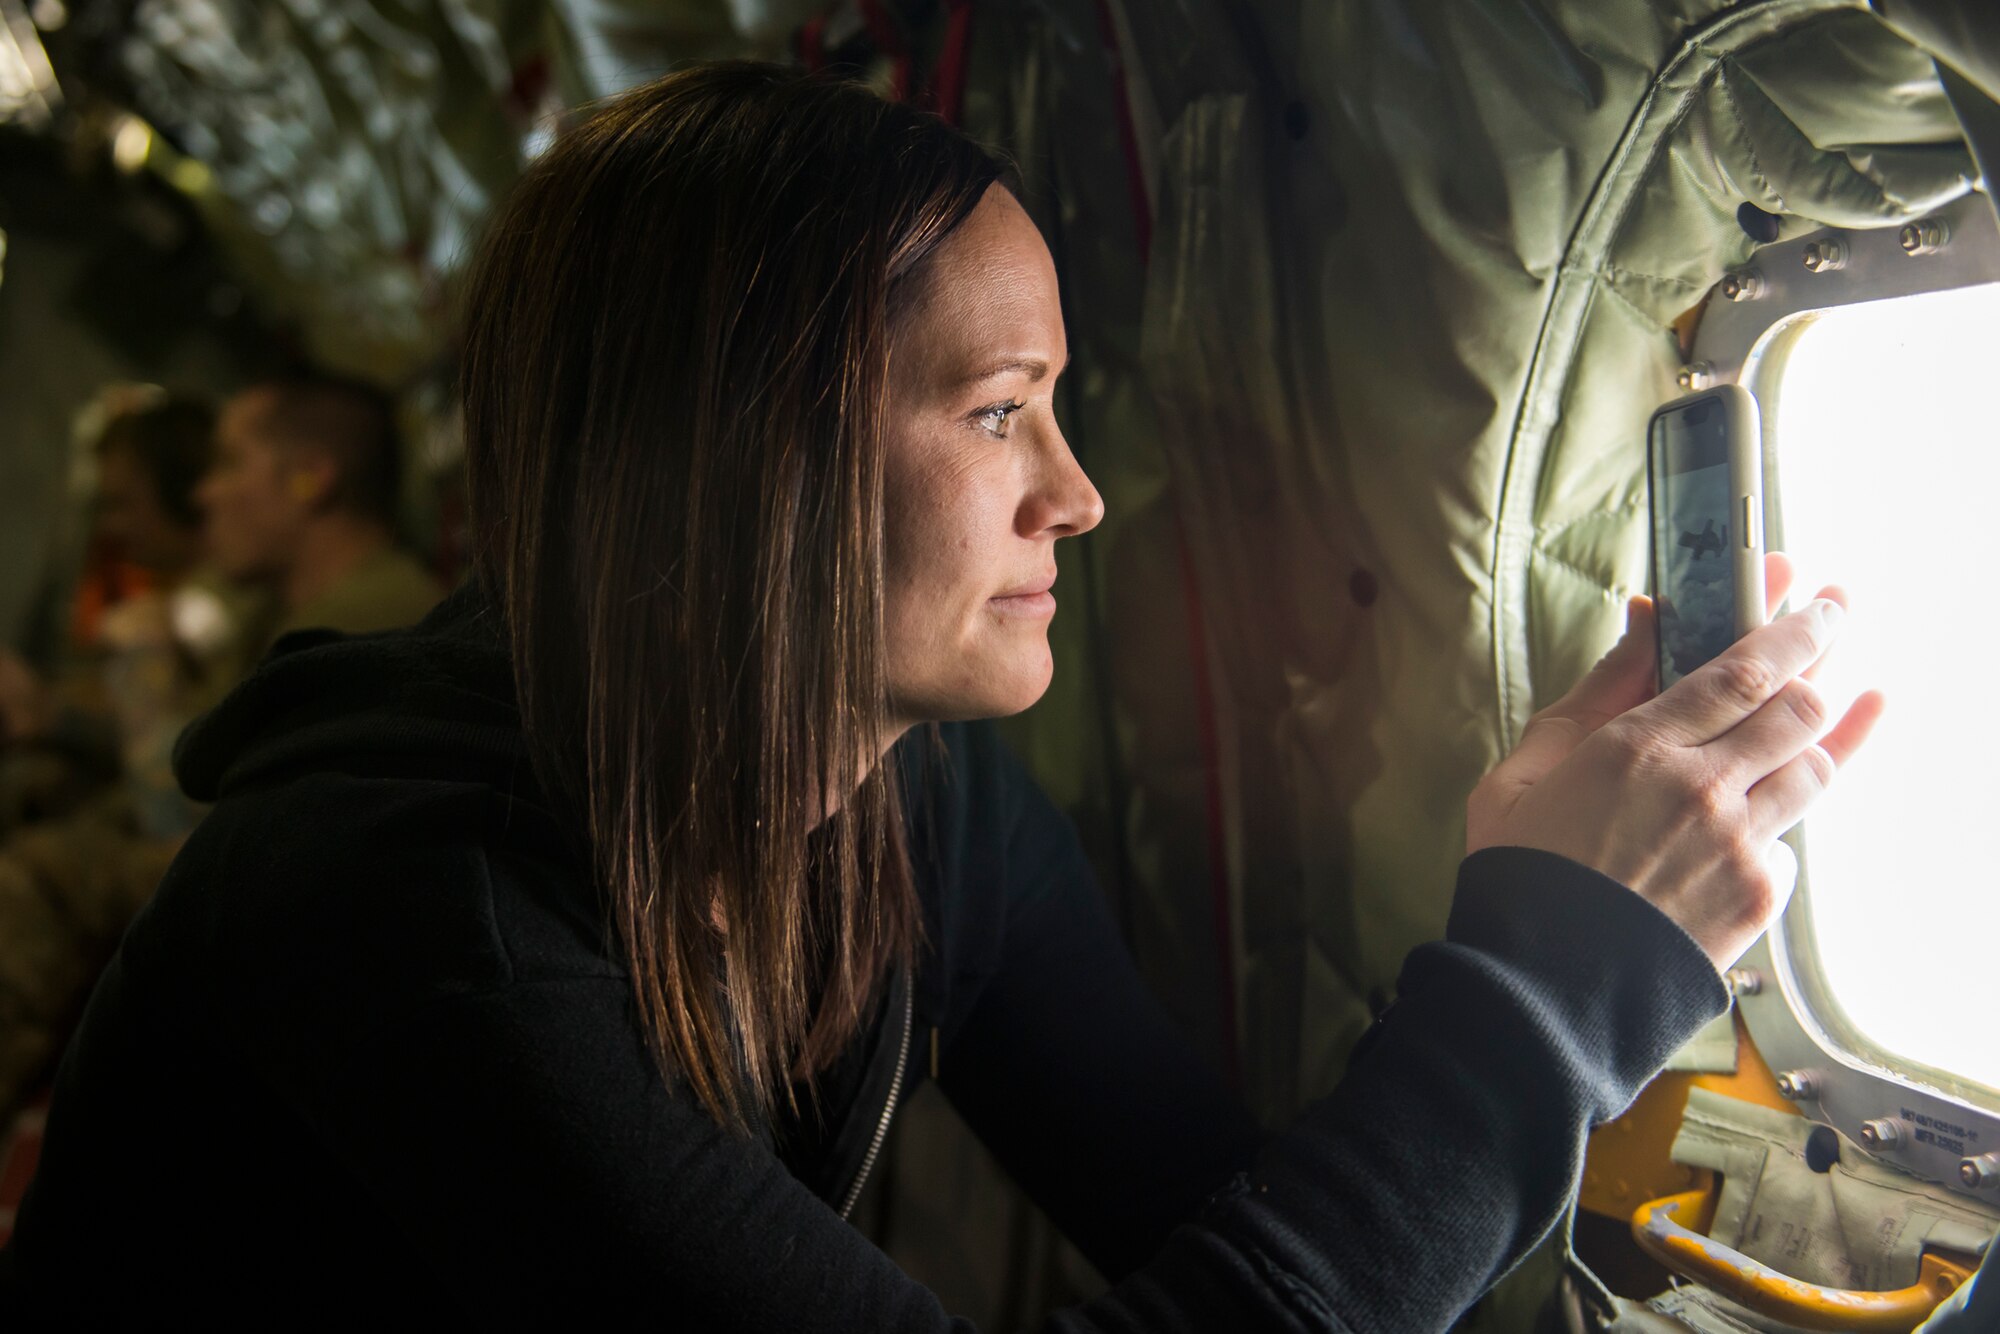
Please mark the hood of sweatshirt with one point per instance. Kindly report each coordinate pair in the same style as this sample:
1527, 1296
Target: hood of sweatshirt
433, 698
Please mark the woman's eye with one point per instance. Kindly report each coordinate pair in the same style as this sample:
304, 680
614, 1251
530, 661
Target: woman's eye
994, 419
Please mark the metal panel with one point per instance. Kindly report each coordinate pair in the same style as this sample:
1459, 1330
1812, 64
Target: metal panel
1928, 1122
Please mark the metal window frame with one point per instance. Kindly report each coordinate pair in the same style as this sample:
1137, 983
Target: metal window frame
1936, 1125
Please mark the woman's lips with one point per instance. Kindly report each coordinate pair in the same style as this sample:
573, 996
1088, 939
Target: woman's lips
1025, 604
1030, 599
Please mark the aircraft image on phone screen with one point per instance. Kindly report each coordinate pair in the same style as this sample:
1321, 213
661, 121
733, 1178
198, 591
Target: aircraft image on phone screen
1691, 545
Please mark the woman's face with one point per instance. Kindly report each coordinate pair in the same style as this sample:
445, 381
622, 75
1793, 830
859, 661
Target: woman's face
980, 482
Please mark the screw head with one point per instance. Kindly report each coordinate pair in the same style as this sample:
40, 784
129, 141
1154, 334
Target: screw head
1798, 1085
1981, 1173
1923, 237
1825, 255
1695, 375
1742, 285
1883, 1133
1743, 981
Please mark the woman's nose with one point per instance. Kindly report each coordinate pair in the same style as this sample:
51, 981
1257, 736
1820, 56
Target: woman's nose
1064, 503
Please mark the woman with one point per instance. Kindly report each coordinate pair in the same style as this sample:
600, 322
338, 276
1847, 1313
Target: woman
571, 951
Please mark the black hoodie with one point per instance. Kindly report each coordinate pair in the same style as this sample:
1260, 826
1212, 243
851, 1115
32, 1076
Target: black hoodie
370, 1054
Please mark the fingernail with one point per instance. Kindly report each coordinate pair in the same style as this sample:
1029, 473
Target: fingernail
1830, 613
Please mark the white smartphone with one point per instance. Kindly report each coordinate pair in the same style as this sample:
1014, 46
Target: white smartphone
1704, 464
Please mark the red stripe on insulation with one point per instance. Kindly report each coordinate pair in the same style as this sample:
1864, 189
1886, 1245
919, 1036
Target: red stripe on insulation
1222, 920
947, 91
889, 41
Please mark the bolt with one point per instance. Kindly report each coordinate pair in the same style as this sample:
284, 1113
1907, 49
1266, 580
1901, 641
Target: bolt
1981, 1173
1742, 285
1743, 981
1798, 1085
1881, 1134
1695, 375
1825, 255
1924, 237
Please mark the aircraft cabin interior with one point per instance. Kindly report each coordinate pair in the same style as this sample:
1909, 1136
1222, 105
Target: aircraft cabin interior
1415, 351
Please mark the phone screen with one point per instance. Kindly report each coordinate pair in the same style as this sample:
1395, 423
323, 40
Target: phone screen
1694, 585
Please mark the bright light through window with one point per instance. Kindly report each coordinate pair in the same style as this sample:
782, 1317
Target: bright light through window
1888, 430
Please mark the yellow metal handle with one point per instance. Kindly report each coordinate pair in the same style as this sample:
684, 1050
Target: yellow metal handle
1780, 1296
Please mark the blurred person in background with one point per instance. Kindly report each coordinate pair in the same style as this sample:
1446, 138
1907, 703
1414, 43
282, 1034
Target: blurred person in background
278, 514
169, 652
302, 502
165, 646
91, 814
149, 460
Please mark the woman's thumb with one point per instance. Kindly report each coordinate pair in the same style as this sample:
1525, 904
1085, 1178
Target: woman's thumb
1623, 678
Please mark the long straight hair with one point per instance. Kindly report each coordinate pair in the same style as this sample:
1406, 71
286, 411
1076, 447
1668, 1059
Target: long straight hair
673, 381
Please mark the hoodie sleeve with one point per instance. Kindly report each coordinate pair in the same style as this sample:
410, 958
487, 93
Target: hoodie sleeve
1444, 1156
523, 1144
1455, 1140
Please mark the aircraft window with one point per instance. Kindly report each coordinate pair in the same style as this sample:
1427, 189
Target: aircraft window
1887, 438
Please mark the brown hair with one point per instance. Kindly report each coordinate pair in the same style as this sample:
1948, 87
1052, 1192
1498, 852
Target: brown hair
347, 422
673, 381
172, 438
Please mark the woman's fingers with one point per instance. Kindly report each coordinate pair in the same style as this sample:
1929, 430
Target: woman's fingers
1854, 726
1778, 576
1779, 800
1790, 721
1621, 680
1835, 593
1717, 697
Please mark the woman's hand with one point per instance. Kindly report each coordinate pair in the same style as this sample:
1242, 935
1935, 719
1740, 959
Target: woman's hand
1681, 796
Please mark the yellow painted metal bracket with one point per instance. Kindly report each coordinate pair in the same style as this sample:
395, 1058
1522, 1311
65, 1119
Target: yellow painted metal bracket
1780, 1296
1631, 1159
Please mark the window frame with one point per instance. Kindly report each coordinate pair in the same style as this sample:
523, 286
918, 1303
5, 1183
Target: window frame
1946, 1127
